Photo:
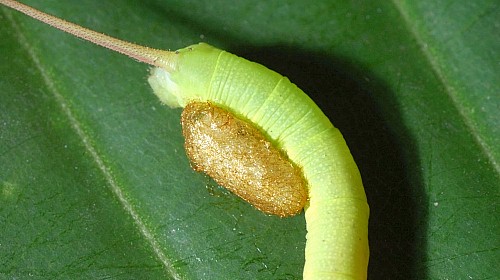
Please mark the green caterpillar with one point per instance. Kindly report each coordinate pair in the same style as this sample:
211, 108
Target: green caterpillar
337, 211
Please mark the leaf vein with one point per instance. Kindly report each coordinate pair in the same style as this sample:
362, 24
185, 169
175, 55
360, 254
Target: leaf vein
86, 140
450, 91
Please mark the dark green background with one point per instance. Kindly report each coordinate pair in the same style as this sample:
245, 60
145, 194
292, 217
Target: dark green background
94, 182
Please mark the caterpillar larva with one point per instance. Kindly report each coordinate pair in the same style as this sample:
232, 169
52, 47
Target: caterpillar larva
337, 211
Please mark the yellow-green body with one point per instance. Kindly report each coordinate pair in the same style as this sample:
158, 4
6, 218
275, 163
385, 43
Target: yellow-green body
337, 212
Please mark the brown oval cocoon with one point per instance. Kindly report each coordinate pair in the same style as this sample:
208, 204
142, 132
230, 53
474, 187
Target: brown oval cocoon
238, 157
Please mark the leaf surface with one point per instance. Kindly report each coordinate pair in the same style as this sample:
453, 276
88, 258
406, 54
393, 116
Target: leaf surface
94, 181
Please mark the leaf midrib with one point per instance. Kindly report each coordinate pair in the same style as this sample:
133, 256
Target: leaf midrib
449, 90
86, 141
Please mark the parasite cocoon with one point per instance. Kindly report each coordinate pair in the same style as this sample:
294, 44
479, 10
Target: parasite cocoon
237, 156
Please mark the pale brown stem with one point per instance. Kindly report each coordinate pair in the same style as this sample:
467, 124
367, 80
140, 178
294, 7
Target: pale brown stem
155, 57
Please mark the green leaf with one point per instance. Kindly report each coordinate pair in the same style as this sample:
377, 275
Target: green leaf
94, 182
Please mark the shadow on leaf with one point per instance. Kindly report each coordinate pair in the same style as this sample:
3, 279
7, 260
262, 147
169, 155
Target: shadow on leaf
382, 147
